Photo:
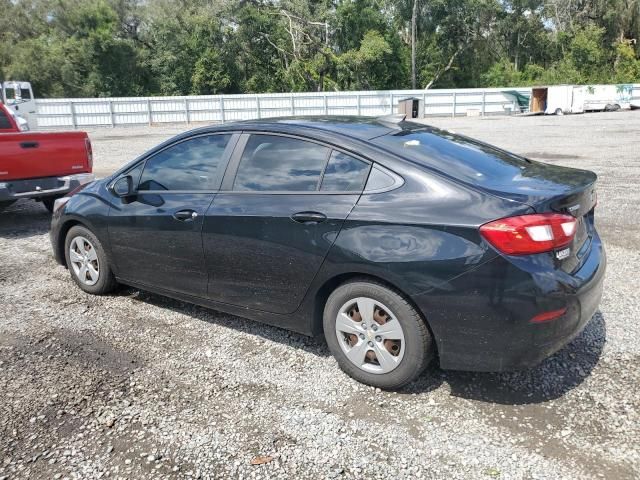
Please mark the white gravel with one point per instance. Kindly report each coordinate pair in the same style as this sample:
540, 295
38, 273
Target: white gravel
134, 385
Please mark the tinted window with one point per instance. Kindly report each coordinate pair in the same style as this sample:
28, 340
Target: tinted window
4, 121
462, 157
344, 174
272, 163
189, 165
379, 180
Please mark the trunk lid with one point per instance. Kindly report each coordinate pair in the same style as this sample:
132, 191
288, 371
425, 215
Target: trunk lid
543, 187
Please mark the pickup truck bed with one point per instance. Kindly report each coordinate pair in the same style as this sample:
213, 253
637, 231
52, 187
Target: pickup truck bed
41, 165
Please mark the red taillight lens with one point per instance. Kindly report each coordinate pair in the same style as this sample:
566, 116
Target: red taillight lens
527, 234
548, 316
89, 148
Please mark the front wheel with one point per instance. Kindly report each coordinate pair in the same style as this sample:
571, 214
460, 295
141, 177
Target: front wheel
88, 262
376, 336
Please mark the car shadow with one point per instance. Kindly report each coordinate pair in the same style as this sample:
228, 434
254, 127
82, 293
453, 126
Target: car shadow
551, 379
24, 219
313, 345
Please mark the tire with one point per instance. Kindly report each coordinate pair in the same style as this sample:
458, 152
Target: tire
6, 204
559, 111
48, 203
412, 344
79, 237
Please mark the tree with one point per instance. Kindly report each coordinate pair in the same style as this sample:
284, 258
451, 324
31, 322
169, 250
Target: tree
180, 47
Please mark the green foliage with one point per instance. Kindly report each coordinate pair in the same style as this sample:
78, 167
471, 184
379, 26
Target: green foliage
627, 65
163, 47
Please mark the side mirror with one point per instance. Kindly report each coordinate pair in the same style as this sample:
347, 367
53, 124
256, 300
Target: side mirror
123, 187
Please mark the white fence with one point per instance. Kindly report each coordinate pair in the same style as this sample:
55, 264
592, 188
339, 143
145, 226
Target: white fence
89, 112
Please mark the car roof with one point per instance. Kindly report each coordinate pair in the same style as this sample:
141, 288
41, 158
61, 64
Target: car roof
363, 128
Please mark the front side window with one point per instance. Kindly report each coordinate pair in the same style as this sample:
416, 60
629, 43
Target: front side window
190, 165
275, 163
344, 174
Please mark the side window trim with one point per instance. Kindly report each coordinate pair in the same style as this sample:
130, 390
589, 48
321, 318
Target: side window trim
232, 168
324, 169
234, 163
224, 161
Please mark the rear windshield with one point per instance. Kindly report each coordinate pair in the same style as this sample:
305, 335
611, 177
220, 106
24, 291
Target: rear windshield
460, 157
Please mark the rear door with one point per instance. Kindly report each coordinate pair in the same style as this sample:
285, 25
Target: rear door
283, 202
155, 235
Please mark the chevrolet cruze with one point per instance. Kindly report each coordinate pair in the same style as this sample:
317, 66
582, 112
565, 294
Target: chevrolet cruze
400, 242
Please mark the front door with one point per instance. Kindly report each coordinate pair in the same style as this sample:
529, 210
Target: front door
266, 235
156, 235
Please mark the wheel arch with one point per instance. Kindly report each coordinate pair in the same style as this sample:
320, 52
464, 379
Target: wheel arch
67, 225
322, 295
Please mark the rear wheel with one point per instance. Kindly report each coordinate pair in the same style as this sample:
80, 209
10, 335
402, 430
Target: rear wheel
376, 336
87, 262
559, 111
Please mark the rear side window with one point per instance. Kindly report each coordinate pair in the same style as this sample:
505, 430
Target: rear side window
344, 174
5, 124
190, 165
456, 155
275, 163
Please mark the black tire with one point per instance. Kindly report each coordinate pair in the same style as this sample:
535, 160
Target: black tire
48, 203
106, 280
5, 204
419, 347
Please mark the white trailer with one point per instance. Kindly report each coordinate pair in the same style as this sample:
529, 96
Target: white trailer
608, 97
557, 100
561, 99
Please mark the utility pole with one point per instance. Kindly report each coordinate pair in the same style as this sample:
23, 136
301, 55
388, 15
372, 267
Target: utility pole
414, 15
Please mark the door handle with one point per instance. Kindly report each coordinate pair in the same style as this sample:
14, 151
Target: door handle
185, 215
308, 217
29, 144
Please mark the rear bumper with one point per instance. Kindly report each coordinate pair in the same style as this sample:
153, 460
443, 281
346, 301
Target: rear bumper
490, 329
36, 188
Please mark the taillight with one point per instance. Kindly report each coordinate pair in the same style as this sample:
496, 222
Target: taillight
548, 316
89, 149
527, 234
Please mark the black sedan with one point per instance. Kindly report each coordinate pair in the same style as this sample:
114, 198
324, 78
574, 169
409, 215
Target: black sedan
401, 242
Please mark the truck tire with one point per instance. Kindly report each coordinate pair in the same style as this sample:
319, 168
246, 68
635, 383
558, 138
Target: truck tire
5, 204
48, 203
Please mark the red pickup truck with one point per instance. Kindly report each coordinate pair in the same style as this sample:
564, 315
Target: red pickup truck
41, 165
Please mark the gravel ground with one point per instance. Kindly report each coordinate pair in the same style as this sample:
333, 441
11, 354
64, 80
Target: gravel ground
134, 385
